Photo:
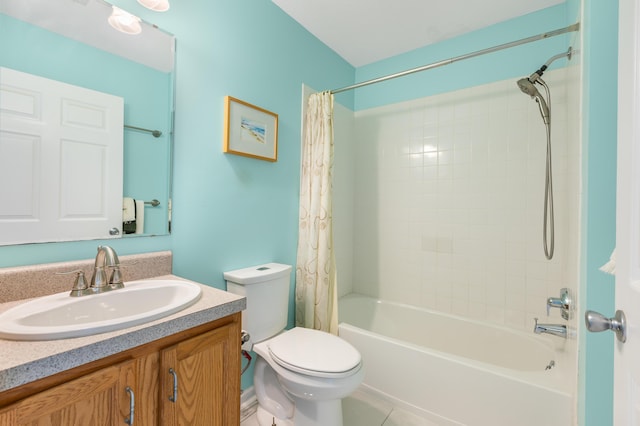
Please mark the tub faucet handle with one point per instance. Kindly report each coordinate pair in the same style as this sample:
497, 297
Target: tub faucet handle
564, 303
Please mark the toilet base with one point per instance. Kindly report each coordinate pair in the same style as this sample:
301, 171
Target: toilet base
307, 413
317, 413
266, 418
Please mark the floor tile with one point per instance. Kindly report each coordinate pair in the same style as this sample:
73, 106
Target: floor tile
251, 421
362, 409
404, 418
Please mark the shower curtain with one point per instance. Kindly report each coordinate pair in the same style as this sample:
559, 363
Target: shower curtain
316, 288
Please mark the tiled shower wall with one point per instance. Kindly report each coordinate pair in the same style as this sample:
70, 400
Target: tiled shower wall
448, 201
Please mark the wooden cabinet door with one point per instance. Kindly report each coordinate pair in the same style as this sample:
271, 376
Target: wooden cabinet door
205, 373
95, 399
143, 379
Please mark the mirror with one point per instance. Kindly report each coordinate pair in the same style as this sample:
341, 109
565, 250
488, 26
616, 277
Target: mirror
72, 42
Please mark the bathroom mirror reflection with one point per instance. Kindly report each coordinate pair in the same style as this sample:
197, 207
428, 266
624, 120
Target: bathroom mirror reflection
71, 41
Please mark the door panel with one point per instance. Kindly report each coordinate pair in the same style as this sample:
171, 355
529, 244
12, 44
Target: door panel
627, 368
61, 160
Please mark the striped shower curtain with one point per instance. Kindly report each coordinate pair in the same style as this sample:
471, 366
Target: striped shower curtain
316, 288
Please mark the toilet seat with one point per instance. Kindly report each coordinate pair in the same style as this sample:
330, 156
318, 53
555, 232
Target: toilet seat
314, 353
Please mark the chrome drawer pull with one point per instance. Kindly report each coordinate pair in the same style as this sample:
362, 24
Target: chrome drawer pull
174, 397
132, 406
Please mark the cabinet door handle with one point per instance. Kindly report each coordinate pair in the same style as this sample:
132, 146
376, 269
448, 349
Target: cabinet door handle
174, 397
132, 406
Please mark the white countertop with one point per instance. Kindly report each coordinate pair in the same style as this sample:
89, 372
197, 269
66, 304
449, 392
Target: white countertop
24, 362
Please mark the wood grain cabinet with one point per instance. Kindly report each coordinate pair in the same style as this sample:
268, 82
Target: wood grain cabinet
191, 378
89, 400
197, 374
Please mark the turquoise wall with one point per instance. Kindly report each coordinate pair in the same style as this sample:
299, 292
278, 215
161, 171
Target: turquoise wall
598, 205
230, 211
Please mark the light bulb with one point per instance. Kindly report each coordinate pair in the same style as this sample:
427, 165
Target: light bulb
156, 5
124, 22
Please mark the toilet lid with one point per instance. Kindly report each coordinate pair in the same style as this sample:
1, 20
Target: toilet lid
314, 353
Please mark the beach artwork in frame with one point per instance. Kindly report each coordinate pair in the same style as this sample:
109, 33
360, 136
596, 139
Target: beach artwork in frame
249, 130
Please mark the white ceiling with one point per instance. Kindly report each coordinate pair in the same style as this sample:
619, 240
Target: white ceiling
366, 31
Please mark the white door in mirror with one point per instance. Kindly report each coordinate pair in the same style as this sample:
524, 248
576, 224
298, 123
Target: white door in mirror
61, 160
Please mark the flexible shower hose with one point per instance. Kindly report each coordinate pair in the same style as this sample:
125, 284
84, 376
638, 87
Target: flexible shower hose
548, 203
548, 232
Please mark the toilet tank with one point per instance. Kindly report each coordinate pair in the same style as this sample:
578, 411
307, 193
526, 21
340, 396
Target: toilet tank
266, 288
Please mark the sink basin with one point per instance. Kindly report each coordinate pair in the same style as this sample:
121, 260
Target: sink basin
60, 316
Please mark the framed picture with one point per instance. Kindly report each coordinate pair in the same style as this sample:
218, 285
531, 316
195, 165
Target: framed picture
250, 130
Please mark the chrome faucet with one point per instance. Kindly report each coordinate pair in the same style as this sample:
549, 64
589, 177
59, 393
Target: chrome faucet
564, 303
107, 263
559, 330
100, 282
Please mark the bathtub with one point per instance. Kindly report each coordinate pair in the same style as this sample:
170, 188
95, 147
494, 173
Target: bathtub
454, 371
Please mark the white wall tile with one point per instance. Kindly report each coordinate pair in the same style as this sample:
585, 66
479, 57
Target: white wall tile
448, 202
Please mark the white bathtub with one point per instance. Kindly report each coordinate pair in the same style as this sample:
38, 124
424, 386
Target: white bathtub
455, 371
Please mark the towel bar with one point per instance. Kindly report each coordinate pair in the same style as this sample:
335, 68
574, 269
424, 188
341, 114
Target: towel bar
155, 133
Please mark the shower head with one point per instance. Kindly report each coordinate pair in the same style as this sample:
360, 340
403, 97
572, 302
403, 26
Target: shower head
527, 87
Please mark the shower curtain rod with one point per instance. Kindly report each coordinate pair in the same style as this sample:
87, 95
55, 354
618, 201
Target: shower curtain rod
570, 28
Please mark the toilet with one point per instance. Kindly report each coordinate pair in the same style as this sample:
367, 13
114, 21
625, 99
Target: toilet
300, 375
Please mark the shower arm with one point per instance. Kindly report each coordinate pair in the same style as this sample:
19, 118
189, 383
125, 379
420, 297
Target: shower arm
568, 54
535, 77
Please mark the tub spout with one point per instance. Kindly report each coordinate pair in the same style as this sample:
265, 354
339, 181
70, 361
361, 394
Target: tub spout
559, 330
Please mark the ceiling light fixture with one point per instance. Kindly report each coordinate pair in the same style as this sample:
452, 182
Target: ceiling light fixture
156, 5
124, 22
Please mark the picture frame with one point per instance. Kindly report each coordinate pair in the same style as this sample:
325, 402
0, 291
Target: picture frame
249, 130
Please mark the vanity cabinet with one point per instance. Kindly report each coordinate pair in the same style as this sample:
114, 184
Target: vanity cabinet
198, 380
89, 400
189, 378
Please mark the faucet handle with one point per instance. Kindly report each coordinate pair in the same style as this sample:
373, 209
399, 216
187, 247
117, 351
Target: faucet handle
79, 284
116, 277
564, 302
